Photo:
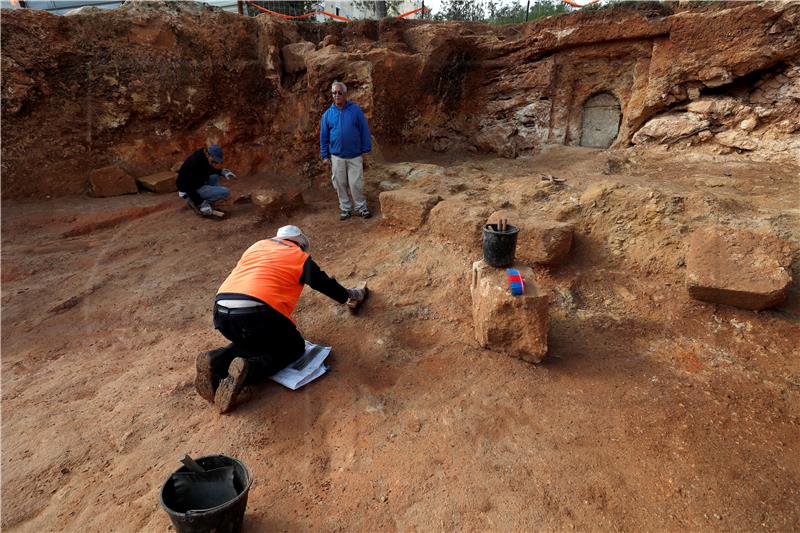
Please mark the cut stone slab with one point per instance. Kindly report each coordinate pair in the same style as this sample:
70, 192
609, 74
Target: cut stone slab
515, 325
406, 208
458, 223
111, 181
539, 240
161, 182
737, 268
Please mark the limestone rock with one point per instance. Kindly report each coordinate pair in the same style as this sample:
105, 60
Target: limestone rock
161, 182
386, 185
670, 128
737, 268
294, 56
458, 223
111, 181
714, 106
413, 171
273, 202
736, 139
406, 208
539, 240
515, 325
748, 124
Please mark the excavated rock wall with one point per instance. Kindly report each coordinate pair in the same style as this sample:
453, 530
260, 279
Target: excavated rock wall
143, 85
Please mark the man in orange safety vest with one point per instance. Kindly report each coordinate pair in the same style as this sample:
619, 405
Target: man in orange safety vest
253, 309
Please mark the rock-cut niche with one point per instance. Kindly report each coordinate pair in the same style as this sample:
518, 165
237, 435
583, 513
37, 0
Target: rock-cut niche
601, 119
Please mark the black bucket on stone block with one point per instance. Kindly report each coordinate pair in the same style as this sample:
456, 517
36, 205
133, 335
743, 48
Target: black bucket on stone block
202, 503
499, 247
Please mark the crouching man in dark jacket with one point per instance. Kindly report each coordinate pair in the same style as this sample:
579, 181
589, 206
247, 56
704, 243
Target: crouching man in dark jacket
198, 179
253, 309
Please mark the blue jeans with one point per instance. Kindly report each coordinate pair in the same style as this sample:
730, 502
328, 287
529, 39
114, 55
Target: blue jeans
213, 192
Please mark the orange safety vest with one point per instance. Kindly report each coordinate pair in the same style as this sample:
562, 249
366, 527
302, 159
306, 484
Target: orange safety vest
269, 270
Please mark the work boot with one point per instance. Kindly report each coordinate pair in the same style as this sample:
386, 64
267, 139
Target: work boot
231, 386
206, 381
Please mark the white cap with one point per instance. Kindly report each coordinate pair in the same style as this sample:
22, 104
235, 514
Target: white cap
294, 234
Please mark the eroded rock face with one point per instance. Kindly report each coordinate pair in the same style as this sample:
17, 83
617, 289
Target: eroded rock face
737, 268
670, 128
516, 325
167, 78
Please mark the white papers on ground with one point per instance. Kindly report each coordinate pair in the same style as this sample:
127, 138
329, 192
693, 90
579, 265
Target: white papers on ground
306, 369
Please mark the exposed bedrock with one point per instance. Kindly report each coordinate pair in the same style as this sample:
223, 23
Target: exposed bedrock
143, 85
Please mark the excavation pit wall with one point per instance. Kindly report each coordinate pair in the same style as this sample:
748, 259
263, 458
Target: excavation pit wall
144, 85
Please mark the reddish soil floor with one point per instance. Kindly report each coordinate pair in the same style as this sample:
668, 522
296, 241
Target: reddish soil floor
652, 412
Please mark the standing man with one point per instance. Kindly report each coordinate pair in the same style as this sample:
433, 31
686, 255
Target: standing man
253, 309
343, 138
198, 179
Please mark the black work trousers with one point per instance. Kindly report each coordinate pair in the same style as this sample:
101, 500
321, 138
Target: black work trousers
267, 339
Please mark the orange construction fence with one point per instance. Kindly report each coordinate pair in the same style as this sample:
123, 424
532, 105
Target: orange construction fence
576, 4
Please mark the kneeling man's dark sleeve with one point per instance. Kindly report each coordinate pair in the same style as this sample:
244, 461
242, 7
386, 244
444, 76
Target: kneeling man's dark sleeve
318, 280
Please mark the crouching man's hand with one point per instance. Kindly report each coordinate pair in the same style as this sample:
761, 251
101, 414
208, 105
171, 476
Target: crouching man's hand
355, 297
228, 174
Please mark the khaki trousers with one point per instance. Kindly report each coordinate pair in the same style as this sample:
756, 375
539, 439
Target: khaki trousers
349, 174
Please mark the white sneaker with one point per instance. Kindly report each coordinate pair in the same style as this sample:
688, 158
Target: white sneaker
205, 209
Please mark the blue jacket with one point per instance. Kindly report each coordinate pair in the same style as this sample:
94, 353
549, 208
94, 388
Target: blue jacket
344, 132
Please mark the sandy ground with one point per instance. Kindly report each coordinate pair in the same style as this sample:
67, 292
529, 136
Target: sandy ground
652, 412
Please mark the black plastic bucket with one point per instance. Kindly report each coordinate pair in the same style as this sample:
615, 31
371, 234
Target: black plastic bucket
224, 518
499, 246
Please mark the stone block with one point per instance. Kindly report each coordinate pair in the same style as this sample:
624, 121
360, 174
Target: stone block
458, 223
405, 208
515, 325
111, 181
161, 182
272, 202
539, 240
737, 268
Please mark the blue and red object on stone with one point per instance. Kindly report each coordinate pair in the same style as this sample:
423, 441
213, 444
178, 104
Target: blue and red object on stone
515, 282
